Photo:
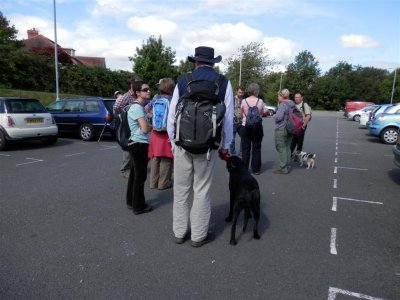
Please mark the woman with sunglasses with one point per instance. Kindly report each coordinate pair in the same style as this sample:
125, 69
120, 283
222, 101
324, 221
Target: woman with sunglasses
140, 136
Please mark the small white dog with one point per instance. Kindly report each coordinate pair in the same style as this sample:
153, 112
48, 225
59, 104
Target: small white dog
308, 158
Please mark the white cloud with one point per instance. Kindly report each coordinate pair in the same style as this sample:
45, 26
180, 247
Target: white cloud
151, 25
280, 49
357, 41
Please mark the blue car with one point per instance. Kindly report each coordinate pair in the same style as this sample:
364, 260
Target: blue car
386, 126
88, 117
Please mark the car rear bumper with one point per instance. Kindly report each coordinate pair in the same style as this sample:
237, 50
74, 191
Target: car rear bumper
373, 130
31, 133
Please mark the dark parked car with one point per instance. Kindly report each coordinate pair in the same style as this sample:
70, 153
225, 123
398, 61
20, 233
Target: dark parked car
85, 116
25, 119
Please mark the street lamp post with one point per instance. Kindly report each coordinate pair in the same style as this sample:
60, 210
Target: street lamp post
55, 49
240, 70
280, 83
394, 82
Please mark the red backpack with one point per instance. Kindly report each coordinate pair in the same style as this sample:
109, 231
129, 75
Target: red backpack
295, 121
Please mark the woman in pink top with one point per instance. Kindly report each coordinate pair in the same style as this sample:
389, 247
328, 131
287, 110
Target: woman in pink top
251, 139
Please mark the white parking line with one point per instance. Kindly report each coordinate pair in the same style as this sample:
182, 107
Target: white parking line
335, 183
333, 241
355, 153
335, 201
358, 169
35, 160
333, 291
79, 153
108, 148
5, 155
335, 160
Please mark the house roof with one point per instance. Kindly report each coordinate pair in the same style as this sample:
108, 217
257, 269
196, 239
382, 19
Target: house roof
36, 40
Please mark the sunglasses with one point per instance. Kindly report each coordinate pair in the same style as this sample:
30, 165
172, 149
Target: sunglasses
145, 90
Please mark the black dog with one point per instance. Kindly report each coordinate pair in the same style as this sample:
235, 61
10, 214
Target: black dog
244, 194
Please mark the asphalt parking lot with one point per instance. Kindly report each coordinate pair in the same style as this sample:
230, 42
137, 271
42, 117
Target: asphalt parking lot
327, 233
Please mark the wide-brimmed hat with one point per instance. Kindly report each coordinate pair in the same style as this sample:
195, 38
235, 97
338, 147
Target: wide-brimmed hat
116, 93
205, 54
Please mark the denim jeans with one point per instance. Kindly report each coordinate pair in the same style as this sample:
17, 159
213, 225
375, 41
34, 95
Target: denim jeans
232, 147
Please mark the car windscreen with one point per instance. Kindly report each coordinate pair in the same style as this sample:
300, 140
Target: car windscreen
109, 104
24, 106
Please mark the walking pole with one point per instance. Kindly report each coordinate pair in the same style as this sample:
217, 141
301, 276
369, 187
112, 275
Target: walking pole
105, 124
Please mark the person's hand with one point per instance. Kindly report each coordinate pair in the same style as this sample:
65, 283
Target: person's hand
223, 154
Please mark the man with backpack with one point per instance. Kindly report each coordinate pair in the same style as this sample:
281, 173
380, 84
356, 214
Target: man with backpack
199, 123
251, 131
283, 138
298, 140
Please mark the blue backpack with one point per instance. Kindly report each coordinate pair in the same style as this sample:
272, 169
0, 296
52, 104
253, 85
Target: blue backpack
160, 114
253, 117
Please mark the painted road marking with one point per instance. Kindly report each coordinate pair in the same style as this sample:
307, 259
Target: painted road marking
355, 153
335, 160
335, 201
358, 169
5, 155
334, 291
335, 183
108, 148
79, 153
333, 241
35, 160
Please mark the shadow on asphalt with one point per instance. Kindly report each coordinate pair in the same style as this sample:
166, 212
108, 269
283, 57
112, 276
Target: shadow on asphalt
395, 175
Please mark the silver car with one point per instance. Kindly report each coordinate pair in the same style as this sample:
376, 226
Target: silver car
356, 114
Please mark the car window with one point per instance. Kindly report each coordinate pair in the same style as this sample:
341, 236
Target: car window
25, 106
92, 106
2, 109
56, 106
74, 106
109, 104
387, 108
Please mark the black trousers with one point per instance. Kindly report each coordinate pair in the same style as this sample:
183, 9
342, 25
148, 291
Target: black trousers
251, 147
137, 176
298, 141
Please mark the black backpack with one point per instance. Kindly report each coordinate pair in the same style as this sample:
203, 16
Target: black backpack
122, 128
199, 115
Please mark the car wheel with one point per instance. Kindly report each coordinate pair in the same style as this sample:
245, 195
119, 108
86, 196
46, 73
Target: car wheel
3, 141
356, 118
50, 141
271, 112
389, 135
86, 132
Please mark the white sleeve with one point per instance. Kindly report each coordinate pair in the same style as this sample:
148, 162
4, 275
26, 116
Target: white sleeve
228, 118
171, 115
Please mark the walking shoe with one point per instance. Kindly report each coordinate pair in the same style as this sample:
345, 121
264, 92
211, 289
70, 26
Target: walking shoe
183, 239
146, 209
256, 173
209, 238
125, 174
280, 172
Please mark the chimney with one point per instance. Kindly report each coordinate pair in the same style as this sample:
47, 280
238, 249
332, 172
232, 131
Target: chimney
32, 33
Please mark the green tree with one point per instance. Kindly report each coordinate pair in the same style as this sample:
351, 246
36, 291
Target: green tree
302, 74
8, 46
250, 64
154, 61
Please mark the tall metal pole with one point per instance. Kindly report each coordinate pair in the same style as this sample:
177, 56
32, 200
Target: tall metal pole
280, 83
240, 69
55, 49
394, 82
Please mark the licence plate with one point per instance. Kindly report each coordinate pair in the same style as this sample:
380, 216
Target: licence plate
34, 120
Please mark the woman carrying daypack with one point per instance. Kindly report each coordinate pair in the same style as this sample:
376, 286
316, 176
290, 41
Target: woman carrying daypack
160, 153
251, 131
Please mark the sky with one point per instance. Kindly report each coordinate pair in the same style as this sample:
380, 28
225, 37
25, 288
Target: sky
360, 32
